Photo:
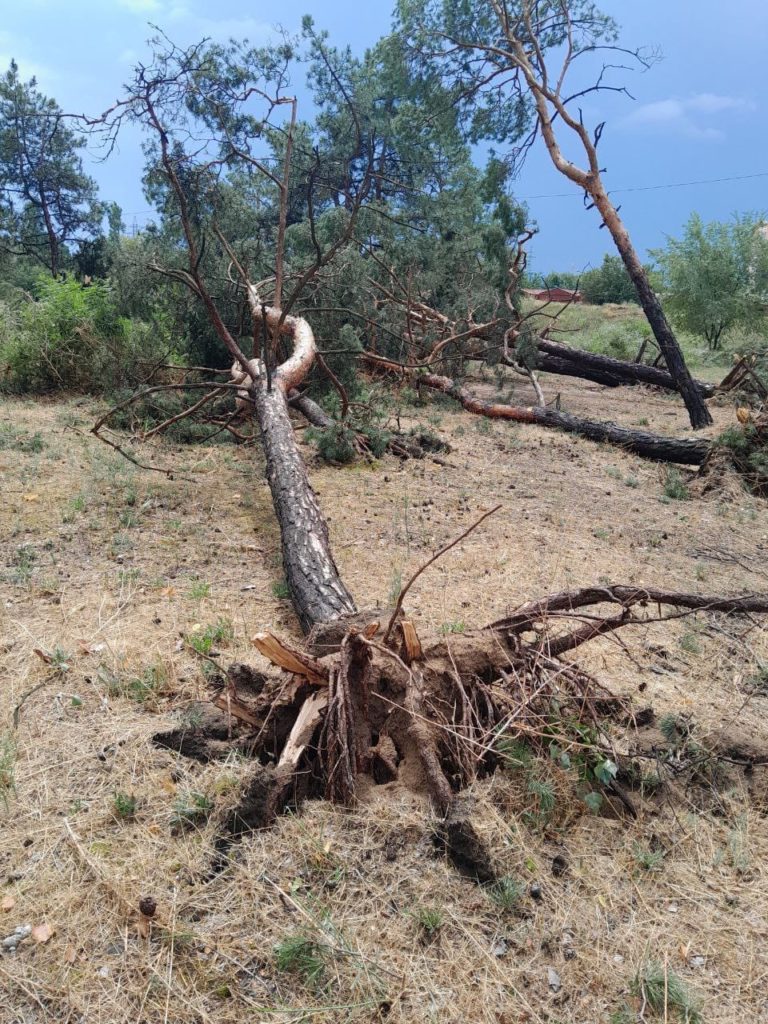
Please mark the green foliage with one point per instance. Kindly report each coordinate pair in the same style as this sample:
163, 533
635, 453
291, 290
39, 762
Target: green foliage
281, 590
124, 806
199, 589
664, 991
429, 919
609, 282
204, 641
506, 893
140, 688
301, 955
47, 200
191, 809
675, 487
7, 767
716, 276
71, 338
335, 444
19, 441
647, 859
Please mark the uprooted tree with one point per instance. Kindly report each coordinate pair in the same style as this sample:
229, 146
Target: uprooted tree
364, 697
500, 59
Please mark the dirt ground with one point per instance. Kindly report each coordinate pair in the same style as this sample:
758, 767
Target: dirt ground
353, 915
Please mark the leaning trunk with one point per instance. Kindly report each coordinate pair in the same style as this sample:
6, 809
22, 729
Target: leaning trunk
691, 394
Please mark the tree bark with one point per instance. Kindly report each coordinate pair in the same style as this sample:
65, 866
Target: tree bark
557, 358
673, 356
316, 588
652, 446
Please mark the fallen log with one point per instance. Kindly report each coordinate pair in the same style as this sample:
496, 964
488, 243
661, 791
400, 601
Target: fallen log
554, 357
685, 451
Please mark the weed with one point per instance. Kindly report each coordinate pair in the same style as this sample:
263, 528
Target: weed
17, 440
648, 860
690, 644
7, 767
299, 954
516, 753
198, 589
139, 688
125, 576
60, 660
204, 640
281, 590
701, 573
128, 518
484, 426
675, 487
124, 806
505, 893
631, 481
23, 560
191, 809
613, 473
543, 793
429, 919
395, 586
601, 534
663, 991
453, 627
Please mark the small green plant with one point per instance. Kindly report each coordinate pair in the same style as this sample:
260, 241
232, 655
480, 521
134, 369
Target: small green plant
623, 1016
506, 893
516, 753
126, 576
128, 518
205, 640
484, 426
140, 688
124, 806
281, 590
429, 919
613, 473
453, 627
675, 487
690, 644
18, 440
631, 481
701, 573
543, 793
60, 660
198, 589
395, 586
601, 534
7, 767
23, 560
335, 443
301, 955
191, 809
663, 992
648, 860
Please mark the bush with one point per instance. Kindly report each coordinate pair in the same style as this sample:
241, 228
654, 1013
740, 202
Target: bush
71, 338
609, 282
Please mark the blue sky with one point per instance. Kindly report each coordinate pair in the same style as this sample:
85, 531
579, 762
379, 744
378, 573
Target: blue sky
701, 113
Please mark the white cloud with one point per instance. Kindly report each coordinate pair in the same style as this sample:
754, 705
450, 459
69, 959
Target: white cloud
13, 48
690, 117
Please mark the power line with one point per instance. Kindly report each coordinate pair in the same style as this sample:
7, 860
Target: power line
566, 195
653, 188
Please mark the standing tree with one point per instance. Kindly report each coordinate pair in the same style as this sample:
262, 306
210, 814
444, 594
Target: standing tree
716, 276
509, 63
46, 201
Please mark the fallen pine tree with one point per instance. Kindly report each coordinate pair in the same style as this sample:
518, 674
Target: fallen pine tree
652, 446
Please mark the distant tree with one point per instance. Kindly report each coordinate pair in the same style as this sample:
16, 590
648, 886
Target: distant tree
46, 200
716, 276
609, 282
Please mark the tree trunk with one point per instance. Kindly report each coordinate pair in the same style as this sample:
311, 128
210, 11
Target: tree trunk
604, 369
691, 394
652, 446
317, 591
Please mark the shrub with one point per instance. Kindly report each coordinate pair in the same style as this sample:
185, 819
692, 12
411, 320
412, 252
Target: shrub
71, 338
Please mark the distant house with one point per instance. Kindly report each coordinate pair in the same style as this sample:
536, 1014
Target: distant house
552, 294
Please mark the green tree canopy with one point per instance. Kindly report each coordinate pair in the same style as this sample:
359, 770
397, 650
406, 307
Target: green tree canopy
609, 282
46, 200
716, 276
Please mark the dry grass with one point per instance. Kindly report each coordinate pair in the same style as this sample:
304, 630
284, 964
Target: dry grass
107, 570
